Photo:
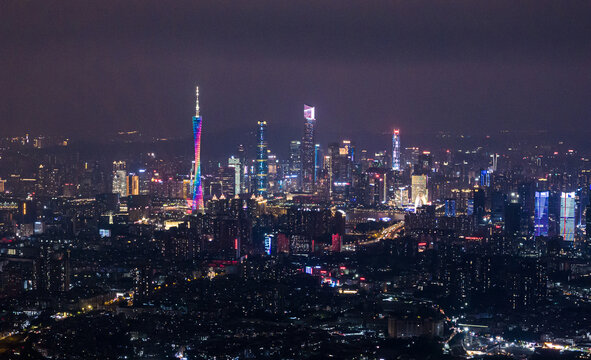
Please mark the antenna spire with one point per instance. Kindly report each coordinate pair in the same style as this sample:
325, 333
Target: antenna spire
197, 101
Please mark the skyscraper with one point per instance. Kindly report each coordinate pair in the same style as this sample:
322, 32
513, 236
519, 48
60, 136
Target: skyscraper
308, 149
295, 164
317, 161
479, 205
340, 169
133, 185
119, 178
567, 216
262, 168
419, 190
450, 207
396, 150
243, 169
541, 213
484, 178
235, 163
197, 201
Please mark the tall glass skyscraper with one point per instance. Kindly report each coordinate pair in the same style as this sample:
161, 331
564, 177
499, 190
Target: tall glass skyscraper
262, 166
197, 201
567, 216
308, 149
317, 161
484, 178
396, 150
541, 213
295, 160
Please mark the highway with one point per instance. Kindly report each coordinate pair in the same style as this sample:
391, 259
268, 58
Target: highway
387, 233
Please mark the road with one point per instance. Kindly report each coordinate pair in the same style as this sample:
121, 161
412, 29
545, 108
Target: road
387, 233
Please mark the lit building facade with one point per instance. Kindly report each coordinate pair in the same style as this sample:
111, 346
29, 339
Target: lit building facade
419, 190
262, 166
567, 216
308, 149
295, 165
450, 207
120, 182
541, 219
133, 185
237, 166
317, 162
396, 150
484, 178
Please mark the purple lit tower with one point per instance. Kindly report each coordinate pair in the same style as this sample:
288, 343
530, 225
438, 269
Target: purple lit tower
197, 201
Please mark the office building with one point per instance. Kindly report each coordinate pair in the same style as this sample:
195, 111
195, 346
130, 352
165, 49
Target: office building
419, 191
292, 177
541, 219
133, 185
237, 166
308, 149
567, 216
484, 178
262, 166
396, 150
450, 207
119, 180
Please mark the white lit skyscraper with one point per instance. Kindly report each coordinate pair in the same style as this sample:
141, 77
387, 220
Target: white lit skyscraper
567, 216
396, 150
295, 162
235, 163
120, 182
119, 178
419, 190
308, 149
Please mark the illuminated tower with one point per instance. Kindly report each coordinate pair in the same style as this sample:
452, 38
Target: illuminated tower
567, 216
317, 160
262, 167
308, 149
197, 201
396, 150
295, 162
541, 213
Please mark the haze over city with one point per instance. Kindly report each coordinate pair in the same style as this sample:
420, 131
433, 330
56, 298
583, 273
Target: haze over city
295, 180
94, 69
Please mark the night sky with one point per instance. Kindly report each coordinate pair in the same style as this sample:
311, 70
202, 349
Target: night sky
80, 69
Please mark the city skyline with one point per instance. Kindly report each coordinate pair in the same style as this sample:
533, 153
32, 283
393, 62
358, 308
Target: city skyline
295, 180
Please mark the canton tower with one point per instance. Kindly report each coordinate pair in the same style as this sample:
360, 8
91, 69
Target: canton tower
197, 201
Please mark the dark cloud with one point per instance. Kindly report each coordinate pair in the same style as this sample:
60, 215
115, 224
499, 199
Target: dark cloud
81, 67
